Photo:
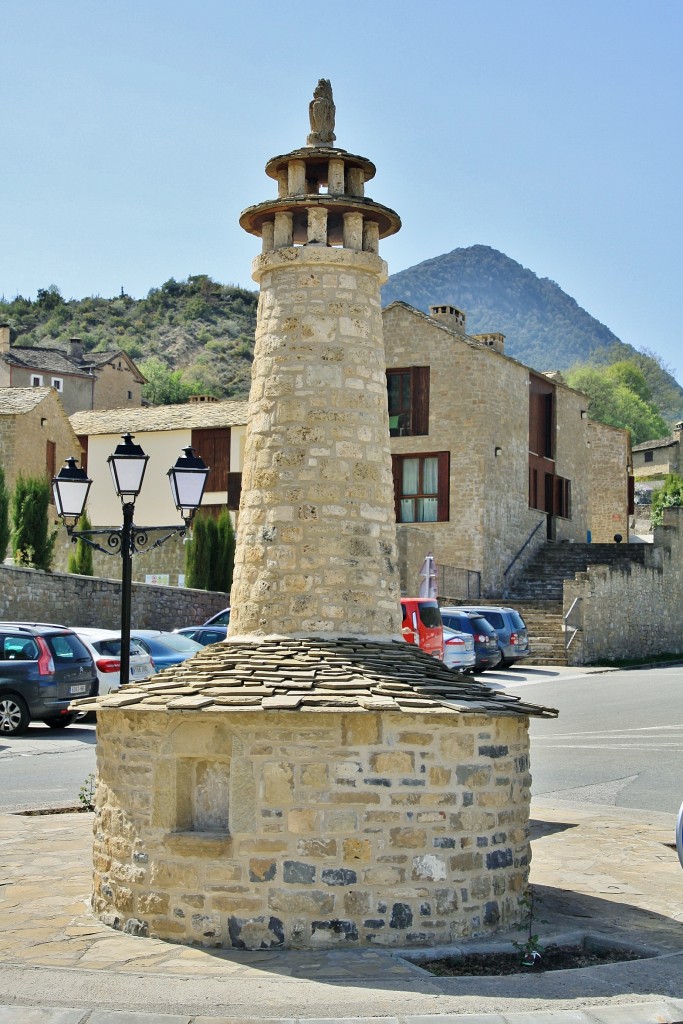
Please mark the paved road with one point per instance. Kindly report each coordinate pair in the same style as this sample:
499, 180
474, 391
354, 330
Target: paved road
44, 768
618, 742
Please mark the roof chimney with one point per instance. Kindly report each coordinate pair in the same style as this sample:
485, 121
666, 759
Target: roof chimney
5, 337
449, 316
494, 340
75, 349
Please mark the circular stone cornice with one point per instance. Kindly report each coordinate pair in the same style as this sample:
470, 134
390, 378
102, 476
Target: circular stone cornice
318, 157
253, 218
313, 673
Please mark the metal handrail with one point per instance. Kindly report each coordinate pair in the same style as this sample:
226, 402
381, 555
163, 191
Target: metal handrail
531, 536
568, 625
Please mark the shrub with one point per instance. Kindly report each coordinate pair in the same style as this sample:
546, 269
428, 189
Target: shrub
32, 543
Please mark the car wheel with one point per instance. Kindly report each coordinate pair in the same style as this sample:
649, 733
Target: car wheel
14, 716
61, 722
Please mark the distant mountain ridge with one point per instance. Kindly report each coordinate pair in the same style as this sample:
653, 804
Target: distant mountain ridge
205, 330
543, 326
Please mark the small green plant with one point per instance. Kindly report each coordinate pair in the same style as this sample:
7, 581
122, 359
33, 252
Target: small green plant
86, 793
530, 949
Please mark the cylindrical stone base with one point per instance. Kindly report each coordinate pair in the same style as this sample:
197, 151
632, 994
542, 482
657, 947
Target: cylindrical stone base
253, 830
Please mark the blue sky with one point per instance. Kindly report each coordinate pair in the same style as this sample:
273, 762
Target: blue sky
136, 132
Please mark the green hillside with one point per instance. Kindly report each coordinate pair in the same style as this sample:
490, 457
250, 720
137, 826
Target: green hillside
203, 331
198, 327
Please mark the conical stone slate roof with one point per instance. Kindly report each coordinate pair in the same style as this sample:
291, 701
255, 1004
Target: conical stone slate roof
314, 674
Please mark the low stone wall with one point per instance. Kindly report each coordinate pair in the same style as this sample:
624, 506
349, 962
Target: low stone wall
631, 611
29, 594
253, 830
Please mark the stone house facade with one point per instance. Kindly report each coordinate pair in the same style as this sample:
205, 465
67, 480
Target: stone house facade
102, 380
654, 460
486, 451
35, 433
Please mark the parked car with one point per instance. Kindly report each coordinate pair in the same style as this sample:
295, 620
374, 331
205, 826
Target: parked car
458, 650
43, 667
204, 635
513, 638
221, 618
422, 624
486, 650
166, 648
105, 647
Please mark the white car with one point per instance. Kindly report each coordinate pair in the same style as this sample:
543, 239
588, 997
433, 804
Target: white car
458, 650
105, 647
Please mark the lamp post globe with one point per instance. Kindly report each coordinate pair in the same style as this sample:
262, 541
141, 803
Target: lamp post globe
188, 480
127, 465
70, 491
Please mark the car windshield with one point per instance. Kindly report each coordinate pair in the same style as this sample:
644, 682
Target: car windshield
459, 622
112, 647
67, 647
483, 625
517, 620
430, 615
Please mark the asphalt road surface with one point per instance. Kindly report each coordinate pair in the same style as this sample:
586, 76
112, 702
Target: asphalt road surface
618, 742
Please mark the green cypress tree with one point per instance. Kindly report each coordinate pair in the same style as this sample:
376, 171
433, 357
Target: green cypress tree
80, 560
226, 536
212, 554
197, 565
32, 542
4, 516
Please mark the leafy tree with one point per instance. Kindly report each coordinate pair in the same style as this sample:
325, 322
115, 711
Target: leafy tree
32, 543
197, 555
613, 400
4, 516
669, 495
223, 555
80, 560
49, 298
164, 386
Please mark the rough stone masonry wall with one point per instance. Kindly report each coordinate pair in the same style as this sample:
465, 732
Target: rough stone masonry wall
608, 494
316, 551
632, 611
310, 829
32, 595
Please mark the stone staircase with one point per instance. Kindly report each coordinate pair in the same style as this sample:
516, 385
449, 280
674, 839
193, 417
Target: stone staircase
537, 593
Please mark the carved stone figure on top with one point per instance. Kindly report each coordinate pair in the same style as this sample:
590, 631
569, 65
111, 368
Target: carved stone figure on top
321, 112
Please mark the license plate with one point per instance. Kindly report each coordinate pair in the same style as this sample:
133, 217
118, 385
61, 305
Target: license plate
137, 670
81, 688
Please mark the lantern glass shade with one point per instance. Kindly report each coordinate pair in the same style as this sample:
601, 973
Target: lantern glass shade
188, 480
127, 465
70, 490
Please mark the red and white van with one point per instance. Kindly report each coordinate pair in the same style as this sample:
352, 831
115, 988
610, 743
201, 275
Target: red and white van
422, 624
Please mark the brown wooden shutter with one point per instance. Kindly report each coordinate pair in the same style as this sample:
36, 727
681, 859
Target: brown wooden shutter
631, 495
51, 459
214, 447
396, 463
234, 490
83, 441
443, 505
420, 400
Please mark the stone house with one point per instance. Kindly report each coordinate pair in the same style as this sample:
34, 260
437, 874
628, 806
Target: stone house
35, 433
97, 380
488, 452
654, 460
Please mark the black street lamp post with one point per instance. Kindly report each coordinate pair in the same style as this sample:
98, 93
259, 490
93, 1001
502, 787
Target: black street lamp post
127, 464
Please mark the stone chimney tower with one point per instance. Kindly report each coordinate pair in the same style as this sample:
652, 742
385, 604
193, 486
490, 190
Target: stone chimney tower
316, 545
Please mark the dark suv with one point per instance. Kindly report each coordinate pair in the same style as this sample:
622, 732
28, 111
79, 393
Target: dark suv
486, 651
43, 668
513, 638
